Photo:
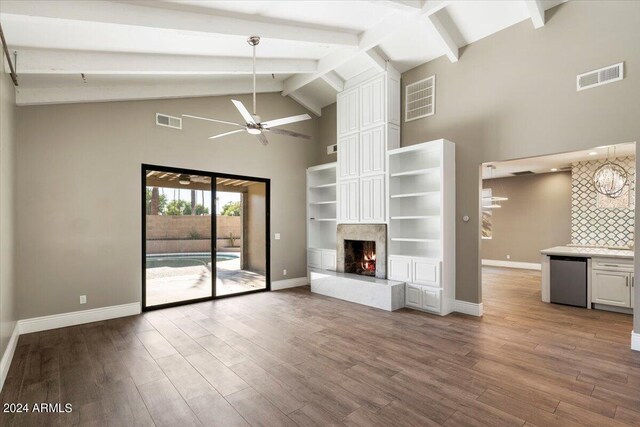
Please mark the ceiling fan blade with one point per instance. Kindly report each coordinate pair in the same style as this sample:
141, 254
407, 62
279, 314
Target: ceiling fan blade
226, 133
245, 113
212, 120
286, 120
263, 139
289, 133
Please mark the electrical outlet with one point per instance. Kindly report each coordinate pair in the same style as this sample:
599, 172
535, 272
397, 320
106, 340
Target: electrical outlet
83, 299
508, 256
277, 236
284, 272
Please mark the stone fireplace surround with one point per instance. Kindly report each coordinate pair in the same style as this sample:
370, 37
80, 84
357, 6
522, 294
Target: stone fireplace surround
367, 232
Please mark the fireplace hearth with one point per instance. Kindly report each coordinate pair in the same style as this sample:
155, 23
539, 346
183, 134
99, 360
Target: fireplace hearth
362, 249
360, 257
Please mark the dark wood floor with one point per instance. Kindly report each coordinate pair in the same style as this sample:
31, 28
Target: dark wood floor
294, 358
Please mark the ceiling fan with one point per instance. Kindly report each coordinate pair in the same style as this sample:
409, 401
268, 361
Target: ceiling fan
254, 125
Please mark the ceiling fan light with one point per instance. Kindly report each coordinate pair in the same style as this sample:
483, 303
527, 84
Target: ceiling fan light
253, 131
184, 180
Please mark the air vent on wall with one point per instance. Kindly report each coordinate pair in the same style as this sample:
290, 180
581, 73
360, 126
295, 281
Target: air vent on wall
522, 173
420, 99
168, 121
605, 75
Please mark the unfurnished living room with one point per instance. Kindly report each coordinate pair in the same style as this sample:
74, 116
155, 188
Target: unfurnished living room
313, 213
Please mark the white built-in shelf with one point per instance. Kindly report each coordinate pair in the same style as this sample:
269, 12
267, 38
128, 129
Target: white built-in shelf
425, 193
416, 172
411, 239
415, 217
331, 184
328, 202
322, 219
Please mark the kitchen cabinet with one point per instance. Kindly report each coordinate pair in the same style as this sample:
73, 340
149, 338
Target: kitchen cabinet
611, 288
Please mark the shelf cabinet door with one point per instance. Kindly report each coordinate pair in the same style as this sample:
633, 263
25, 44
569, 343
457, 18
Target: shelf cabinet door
348, 111
372, 151
372, 201
349, 156
611, 288
413, 296
314, 258
426, 272
349, 198
431, 299
329, 260
372, 102
400, 268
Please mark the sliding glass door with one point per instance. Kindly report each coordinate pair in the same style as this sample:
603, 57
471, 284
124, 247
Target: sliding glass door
202, 240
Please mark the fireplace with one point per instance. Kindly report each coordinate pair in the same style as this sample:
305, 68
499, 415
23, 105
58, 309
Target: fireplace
362, 249
360, 257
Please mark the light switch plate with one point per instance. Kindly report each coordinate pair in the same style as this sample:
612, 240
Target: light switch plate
83, 299
277, 236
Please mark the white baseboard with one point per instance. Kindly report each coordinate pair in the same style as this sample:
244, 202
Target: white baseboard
635, 341
512, 264
7, 356
465, 307
63, 320
289, 283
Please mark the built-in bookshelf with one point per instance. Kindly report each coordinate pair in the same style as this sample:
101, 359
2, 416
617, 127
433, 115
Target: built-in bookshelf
321, 216
422, 223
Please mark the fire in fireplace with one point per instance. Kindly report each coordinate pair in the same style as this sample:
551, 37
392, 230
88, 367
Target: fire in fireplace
360, 257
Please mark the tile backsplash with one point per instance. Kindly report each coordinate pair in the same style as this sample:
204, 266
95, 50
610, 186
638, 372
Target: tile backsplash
594, 219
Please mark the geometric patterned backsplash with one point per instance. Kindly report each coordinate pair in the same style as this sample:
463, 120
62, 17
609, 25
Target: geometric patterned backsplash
598, 220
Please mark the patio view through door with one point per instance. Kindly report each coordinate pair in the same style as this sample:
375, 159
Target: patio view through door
192, 219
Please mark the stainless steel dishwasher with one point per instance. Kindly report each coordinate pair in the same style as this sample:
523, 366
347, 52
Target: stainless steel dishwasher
569, 280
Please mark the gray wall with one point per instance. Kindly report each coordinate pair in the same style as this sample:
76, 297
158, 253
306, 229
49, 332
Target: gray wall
78, 190
513, 95
328, 124
8, 312
536, 216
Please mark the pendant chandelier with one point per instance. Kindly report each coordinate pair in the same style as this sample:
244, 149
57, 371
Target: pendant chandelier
610, 179
491, 202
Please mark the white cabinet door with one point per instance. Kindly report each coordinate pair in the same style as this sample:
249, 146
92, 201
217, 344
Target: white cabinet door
314, 258
400, 268
413, 296
372, 151
431, 299
329, 260
348, 201
372, 102
611, 288
348, 111
372, 199
349, 156
393, 92
426, 272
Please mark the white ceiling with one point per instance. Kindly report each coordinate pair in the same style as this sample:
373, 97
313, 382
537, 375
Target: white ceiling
177, 48
545, 164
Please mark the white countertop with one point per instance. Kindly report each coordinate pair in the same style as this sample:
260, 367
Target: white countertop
587, 252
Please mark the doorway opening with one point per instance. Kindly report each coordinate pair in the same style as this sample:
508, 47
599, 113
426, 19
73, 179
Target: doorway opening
559, 229
205, 236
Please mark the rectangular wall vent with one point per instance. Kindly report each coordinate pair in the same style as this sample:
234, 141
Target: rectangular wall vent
522, 173
332, 149
610, 74
168, 121
420, 99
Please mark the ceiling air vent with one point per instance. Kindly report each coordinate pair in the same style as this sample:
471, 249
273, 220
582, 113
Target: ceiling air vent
168, 121
522, 173
605, 75
420, 99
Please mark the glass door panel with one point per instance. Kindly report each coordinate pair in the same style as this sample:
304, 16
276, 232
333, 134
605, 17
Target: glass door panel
178, 233
241, 235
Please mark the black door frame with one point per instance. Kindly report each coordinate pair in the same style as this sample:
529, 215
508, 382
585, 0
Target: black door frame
214, 237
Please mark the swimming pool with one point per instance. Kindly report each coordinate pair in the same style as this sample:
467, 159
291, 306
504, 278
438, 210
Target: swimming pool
186, 260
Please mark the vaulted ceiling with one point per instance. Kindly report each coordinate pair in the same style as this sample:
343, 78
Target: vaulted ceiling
92, 50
